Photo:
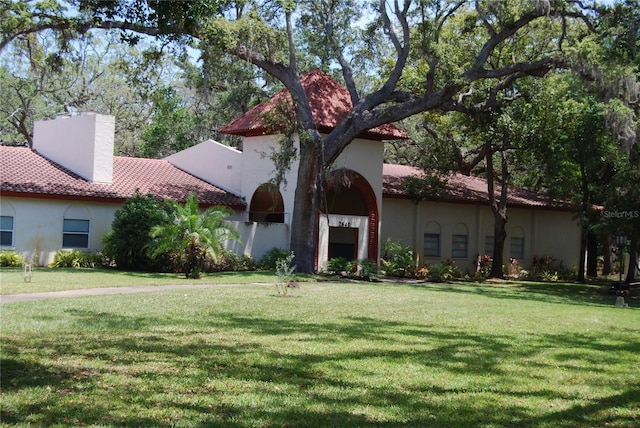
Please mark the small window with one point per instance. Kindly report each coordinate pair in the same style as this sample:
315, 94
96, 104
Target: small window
6, 231
75, 233
517, 248
489, 242
432, 245
459, 247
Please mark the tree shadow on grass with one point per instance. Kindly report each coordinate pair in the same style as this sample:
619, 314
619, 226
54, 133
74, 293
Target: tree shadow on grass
197, 369
562, 293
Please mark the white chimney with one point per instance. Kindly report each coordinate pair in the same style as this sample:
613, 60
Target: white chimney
82, 144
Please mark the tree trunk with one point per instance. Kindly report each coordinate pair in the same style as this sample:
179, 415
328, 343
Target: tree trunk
633, 253
607, 266
499, 209
304, 222
583, 249
499, 236
592, 255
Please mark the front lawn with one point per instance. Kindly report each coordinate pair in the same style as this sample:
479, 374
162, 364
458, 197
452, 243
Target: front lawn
334, 354
59, 279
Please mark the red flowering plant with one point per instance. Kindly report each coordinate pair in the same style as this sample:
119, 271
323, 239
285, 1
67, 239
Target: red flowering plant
484, 265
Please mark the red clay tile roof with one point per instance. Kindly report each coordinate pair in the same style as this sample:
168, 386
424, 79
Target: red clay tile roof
330, 103
24, 172
463, 188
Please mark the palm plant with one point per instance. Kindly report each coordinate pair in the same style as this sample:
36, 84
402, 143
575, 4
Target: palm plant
191, 236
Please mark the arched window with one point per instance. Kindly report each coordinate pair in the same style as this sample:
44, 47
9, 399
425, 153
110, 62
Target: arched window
460, 242
432, 240
517, 244
489, 240
267, 205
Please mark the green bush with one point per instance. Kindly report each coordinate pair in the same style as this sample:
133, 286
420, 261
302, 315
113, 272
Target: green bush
11, 259
397, 260
547, 269
77, 259
269, 260
126, 244
367, 269
444, 272
338, 265
230, 261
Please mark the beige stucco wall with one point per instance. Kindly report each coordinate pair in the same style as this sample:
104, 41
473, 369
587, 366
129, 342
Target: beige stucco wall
545, 232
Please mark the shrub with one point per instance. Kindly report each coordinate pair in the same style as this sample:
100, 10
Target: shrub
77, 259
269, 260
397, 260
11, 259
547, 269
485, 266
230, 261
444, 272
367, 269
338, 265
126, 244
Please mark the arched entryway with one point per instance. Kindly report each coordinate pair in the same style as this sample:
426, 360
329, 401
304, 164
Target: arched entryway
267, 205
349, 219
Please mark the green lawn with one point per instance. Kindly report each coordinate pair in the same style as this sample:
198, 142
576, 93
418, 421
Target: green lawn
46, 279
334, 354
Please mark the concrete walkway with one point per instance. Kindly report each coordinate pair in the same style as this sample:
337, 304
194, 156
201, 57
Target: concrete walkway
27, 297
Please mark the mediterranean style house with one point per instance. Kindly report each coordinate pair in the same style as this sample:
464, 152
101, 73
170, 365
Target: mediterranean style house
63, 193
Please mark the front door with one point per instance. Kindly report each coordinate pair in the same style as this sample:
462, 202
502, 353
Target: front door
343, 242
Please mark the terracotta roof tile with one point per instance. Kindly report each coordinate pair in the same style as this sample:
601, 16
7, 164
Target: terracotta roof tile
330, 103
463, 188
24, 171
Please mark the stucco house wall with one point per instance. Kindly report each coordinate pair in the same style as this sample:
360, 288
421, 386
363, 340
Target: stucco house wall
545, 232
38, 224
214, 163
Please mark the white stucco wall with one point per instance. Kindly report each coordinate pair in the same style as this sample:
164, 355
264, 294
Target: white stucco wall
212, 162
83, 144
545, 232
38, 224
256, 239
258, 169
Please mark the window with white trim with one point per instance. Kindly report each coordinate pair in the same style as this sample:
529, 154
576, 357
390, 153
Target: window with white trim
75, 233
6, 231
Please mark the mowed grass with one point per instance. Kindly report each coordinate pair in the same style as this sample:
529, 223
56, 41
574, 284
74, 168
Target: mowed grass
46, 279
334, 354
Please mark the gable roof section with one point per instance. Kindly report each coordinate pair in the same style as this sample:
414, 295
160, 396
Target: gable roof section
330, 103
24, 172
466, 189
